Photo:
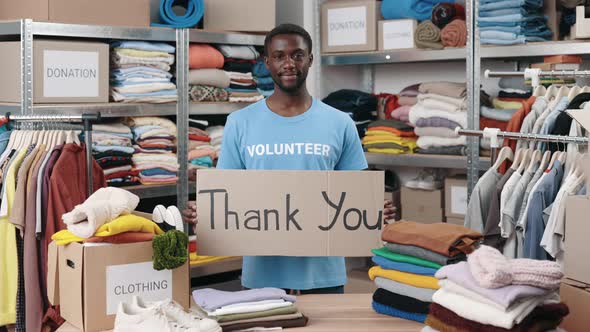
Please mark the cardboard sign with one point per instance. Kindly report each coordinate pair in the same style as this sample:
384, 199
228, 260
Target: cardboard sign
126, 280
70, 74
289, 213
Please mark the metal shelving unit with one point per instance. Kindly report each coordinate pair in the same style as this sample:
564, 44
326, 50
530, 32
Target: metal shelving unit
423, 160
394, 56
215, 108
574, 47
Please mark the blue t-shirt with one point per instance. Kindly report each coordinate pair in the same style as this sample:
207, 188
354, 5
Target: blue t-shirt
322, 138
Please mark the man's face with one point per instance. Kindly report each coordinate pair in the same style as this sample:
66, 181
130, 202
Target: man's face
288, 61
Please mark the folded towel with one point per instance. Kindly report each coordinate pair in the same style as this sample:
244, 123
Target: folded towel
406, 100
404, 277
204, 56
209, 76
454, 34
391, 311
492, 270
398, 9
426, 142
435, 132
418, 293
112, 128
403, 267
425, 254
418, 112
444, 13
101, 207
151, 121
239, 52
160, 63
427, 35
211, 299
202, 93
449, 89
143, 46
403, 258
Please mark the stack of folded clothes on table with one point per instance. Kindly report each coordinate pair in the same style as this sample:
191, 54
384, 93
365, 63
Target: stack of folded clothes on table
361, 106
255, 308
389, 136
155, 149
216, 136
494, 293
239, 64
206, 79
141, 72
112, 149
441, 108
412, 254
201, 154
512, 22
408, 97
264, 83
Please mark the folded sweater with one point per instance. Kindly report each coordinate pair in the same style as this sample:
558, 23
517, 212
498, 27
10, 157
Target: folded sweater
405, 278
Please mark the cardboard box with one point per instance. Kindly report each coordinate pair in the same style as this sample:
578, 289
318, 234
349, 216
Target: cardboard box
422, 205
134, 13
64, 72
456, 221
396, 34
577, 297
289, 213
581, 30
456, 197
93, 279
246, 16
350, 26
576, 238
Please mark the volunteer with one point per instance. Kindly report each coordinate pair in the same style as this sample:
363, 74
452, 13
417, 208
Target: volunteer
282, 124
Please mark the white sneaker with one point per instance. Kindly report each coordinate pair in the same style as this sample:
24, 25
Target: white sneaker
176, 313
129, 319
425, 181
174, 218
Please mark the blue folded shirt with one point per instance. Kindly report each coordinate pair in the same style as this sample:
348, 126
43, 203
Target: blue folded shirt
403, 267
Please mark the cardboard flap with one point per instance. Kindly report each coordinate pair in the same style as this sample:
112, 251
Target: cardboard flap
582, 116
576, 284
71, 267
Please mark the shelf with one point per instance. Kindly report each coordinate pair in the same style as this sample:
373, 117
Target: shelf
153, 191
535, 49
423, 160
394, 56
218, 37
216, 108
226, 265
107, 110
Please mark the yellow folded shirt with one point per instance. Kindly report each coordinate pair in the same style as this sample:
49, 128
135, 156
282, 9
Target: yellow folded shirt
407, 143
506, 105
389, 151
122, 224
197, 260
404, 278
141, 54
379, 133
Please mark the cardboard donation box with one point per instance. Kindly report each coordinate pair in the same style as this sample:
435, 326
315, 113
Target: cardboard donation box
94, 278
397, 34
245, 16
577, 297
64, 72
289, 213
423, 206
350, 26
455, 197
104, 12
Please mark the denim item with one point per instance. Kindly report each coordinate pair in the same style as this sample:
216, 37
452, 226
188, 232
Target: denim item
505, 11
538, 32
495, 34
493, 4
265, 80
532, 22
400, 9
519, 40
259, 69
549, 122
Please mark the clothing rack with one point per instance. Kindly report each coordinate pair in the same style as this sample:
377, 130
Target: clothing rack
63, 122
535, 74
494, 133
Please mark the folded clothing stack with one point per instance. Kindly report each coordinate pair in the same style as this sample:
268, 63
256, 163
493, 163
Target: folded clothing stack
141, 72
493, 293
216, 136
440, 109
201, 154
239, 61
408, 97
207, 81
389, 136
413, 253
264, 82
112, 148
512, 22
501, 110
261, 308
361, 106
155, 149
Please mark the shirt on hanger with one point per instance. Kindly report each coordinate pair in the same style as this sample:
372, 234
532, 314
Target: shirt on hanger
38, 192
507, 228
540, 198
514, 125
17, 215
492, 229
529, 120
255, 127
479, 203
549, 122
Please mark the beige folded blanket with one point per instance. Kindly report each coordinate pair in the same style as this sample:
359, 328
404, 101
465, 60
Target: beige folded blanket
428, 36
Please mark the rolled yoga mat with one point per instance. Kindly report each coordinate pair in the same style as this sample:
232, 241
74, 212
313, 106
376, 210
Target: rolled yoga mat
195, 9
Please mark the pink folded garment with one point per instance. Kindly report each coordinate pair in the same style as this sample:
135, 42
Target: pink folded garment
194, 154
492, 270
407, 100
401, 113
142, 167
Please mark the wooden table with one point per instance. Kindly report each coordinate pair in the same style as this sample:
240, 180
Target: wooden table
338, 313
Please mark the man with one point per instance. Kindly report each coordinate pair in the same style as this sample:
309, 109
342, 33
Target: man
287, 118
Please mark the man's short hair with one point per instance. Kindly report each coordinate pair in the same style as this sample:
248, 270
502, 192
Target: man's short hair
287, 29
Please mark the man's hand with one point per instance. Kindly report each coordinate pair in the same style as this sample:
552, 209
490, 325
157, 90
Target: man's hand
389, 211
192, 174
189, 214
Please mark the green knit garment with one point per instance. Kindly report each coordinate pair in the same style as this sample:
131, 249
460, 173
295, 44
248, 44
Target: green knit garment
384, 252
170, 250
266, 313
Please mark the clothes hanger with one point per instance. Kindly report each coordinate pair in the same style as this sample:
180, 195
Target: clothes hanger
545, 160
553, 159
539, 91
535, 158
517, 159
504, 154
562, 92
574, 91
585, 89
576, 170
76, 134
526, 156
69, 138
551, 92
562, 158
